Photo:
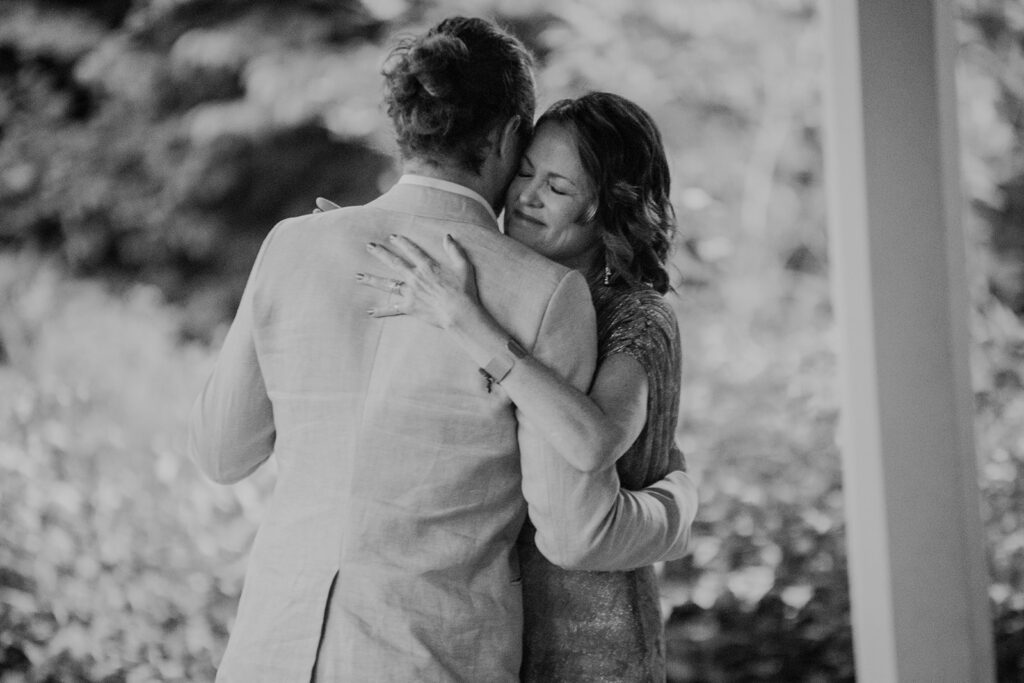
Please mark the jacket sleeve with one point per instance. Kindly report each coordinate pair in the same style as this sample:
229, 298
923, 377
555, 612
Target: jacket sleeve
585, 520
231, 427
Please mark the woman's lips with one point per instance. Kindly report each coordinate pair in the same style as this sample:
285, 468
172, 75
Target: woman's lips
520, 216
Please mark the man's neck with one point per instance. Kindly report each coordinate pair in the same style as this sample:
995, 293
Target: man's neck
473, 181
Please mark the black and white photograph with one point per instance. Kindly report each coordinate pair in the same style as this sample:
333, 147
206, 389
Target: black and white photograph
554, 341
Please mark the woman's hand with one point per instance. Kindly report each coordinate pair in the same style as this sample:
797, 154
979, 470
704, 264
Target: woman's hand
424, 288
325, 205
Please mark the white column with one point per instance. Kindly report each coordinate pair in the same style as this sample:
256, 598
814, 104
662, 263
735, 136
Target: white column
917, 568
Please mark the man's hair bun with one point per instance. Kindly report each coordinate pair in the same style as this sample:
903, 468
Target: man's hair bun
439, 65
447, 89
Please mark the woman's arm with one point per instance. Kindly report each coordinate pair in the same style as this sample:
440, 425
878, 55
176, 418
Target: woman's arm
584, 519
613, 529
590, 430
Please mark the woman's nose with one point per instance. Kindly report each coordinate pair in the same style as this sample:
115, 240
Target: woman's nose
529, 194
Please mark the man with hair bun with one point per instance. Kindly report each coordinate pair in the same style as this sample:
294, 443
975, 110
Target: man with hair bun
388, 550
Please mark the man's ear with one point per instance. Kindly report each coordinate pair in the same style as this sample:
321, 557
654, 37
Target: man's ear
508, 140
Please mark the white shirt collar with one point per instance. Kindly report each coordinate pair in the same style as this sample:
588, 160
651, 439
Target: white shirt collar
447, 186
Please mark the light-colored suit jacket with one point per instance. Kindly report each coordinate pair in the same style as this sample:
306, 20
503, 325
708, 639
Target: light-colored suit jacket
399, 495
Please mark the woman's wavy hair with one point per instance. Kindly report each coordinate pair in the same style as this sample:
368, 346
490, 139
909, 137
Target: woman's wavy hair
622, 152
447, 89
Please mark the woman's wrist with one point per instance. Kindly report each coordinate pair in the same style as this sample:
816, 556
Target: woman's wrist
478, 333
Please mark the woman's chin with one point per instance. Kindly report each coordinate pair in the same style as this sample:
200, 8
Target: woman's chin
517, 229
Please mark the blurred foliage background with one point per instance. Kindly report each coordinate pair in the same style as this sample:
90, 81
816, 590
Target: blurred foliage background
147, 146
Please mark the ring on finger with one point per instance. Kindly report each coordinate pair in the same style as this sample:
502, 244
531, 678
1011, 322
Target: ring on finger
396, 286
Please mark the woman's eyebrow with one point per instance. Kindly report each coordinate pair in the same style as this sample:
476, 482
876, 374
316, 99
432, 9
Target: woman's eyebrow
528, 160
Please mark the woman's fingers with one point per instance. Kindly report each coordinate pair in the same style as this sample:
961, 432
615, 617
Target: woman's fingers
412, 251
456, 253
421, 287
393, 261
385, 311
325, 204
384, 284
462, 265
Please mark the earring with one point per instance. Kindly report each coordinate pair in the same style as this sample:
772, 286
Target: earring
607, 274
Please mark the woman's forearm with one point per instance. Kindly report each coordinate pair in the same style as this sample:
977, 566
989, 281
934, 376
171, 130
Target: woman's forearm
590, 430
588, 521
586, 433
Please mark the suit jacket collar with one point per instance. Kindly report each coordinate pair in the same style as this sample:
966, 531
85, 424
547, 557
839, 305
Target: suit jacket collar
435, 199
448, 186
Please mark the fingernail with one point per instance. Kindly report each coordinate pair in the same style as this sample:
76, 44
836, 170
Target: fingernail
370, 311
370, 246
392, 237
449, 237
360, 276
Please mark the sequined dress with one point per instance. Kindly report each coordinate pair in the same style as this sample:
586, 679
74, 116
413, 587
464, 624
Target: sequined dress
606, 626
